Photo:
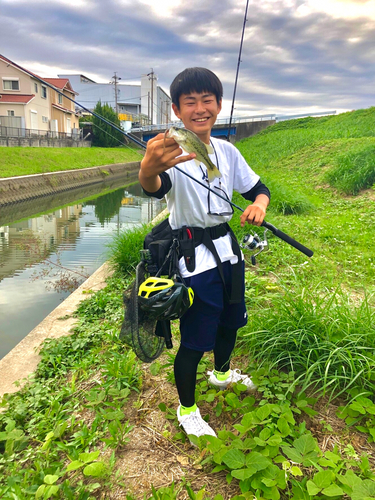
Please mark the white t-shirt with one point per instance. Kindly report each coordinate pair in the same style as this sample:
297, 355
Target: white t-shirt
187, 201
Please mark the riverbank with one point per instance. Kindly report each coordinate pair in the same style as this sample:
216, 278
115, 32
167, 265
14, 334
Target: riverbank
28, 187
21, 362
28, 161
97, 423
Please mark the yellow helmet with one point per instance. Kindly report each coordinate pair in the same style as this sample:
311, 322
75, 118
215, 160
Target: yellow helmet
164, 299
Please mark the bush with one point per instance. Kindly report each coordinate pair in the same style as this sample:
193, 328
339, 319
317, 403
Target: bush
104, 135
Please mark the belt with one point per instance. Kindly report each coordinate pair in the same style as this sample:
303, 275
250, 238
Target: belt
191, 237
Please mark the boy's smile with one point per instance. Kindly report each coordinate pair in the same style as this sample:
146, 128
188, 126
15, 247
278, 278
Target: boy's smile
198, 113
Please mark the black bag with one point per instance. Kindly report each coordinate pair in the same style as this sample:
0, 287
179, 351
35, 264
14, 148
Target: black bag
159, 242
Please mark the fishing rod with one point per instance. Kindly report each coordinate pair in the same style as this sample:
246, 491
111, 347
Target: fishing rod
280, 234
134, 139
238, 68
273, 229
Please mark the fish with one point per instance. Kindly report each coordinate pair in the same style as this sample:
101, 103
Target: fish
191, 143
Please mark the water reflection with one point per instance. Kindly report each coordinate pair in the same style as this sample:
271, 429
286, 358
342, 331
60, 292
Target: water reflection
36, 252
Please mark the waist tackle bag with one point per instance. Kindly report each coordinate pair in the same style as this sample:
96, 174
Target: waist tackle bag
159, 242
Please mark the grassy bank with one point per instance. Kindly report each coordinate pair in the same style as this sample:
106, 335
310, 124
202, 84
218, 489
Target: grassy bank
97, 424
27, 161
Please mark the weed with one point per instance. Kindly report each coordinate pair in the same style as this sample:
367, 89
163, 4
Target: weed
353, 171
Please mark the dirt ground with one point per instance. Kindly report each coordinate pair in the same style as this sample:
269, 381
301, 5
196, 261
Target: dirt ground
153, 458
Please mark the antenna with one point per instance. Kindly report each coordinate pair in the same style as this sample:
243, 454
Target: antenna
238, 68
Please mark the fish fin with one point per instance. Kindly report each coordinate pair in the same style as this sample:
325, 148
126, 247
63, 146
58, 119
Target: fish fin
212, 174
210, 149
197, 162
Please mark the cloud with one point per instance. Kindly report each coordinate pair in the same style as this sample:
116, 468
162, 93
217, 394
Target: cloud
297, 54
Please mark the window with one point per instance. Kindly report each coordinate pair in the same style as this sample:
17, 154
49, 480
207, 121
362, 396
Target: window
45, 119
11, 84
44, 92
36, 88
10, 112
60, 99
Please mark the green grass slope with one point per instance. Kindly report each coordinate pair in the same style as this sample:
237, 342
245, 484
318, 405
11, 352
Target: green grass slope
27, 161
313, 167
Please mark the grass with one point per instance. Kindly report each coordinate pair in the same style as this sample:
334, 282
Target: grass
28, 161
311, 332
354, 170
322, 335
124, 249
315, 316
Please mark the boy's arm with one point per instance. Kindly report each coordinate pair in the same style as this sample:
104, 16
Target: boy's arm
161, 154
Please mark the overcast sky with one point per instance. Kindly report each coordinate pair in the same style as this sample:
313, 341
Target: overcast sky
298, 55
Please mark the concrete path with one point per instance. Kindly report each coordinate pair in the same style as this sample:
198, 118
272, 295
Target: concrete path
23, 359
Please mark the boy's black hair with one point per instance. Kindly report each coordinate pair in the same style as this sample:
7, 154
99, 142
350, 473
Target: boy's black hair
195, 80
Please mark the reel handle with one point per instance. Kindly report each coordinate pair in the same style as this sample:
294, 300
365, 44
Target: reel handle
288, 239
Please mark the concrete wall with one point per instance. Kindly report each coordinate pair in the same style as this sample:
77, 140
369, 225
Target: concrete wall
42, 142
244, 130
27, 187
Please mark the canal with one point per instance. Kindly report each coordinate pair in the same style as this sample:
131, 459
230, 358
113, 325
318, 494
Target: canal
50, 245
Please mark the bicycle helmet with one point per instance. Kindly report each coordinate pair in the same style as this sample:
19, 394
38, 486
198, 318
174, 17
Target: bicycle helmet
164, 299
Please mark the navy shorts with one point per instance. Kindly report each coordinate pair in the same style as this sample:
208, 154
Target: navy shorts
211, 308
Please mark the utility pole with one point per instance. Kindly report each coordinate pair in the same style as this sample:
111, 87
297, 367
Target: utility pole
152, 77
114, 81
148, 108
166, 111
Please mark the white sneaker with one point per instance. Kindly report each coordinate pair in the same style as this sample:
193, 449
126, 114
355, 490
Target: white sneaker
234, 377
194, 424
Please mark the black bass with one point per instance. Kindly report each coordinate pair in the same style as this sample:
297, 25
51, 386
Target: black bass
191, 143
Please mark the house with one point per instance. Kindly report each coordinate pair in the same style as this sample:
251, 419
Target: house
29, 105
144, 102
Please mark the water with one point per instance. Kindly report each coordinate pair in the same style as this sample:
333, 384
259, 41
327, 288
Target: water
74, 237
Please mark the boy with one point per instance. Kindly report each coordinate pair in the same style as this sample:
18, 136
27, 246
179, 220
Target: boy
211, 323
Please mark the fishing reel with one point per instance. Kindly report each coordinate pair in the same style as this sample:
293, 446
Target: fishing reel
254, 243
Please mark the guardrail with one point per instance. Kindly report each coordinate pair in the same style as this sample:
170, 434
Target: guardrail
47, 134
235, 120
303, 115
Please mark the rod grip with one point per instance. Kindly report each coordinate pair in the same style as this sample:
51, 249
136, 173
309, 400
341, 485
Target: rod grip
288, 239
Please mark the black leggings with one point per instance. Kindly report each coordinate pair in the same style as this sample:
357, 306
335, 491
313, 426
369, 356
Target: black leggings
187, 360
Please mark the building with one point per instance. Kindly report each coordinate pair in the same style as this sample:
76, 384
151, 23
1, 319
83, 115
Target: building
32, 108
144, 103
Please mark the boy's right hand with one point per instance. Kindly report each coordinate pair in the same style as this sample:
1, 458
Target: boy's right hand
161, 154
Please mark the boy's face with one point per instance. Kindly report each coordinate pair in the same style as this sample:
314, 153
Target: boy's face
198, 113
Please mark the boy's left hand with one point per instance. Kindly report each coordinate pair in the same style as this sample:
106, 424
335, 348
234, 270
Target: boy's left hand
254, 214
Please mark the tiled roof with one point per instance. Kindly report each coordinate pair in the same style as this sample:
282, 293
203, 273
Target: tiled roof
16, 98
60, 83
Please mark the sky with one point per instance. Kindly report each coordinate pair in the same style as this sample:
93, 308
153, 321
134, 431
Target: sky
298, 56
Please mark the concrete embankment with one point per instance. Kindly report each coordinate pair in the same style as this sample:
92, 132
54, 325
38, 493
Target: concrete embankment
22, 360
28, 187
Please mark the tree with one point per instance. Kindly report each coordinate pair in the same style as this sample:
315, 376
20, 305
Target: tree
104, 135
